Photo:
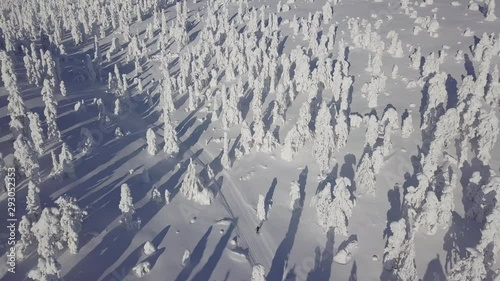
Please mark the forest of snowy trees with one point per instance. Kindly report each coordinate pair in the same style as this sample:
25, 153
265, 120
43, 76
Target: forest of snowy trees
300, 102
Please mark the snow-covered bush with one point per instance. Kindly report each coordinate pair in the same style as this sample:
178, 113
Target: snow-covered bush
185, 257
142, 269
258, 273
149, 248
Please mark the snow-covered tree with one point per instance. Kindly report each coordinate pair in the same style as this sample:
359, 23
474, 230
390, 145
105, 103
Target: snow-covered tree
167, 197
407, 127
295, 195
365, 175
225, 160
62, 89
36, 132
47, 232
246, 140
261, 208
487, 134
25, 156
324, 140
470, 268
71, 218
33, 205
169, 136
46, 269
258, 273
126, 204
395, 243
428, 217
341, 206
192, 188
371, 134
50, 111
490, 10
405, 268
27, 237
151, 140
66, 161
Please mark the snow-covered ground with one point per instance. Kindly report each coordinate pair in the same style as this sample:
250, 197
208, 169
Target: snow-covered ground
250, 140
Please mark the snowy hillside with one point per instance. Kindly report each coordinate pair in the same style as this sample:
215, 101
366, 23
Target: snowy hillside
249, 140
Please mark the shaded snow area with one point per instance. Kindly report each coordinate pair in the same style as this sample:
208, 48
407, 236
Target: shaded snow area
229, 140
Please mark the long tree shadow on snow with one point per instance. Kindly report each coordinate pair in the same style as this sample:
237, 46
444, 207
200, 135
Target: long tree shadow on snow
268, 201
280, 259
195, 257
207, 269
434, 270
323, 261
121, 271
395, 212
112, 246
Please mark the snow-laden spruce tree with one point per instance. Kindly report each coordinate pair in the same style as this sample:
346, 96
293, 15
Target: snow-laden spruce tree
151, 140
416, 58
36, 132
415, 196
225, 159
87, 142
407, 127
245, 144
428, 217
71, 218
365, 175
118, 109
295, 195
489, 244
324, 140
490, 10
62, 89
261, 208
16, 107
46, 269
470, 268
395, 243
341, 207
487, 134
66, 162
169, 136
447, 206
126, 204
192, 188
27, 237
25, 156
437, 98
258, 273
341, 129
50, 111
405, 268
47, 232
33, 206
297, 136
371, 134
